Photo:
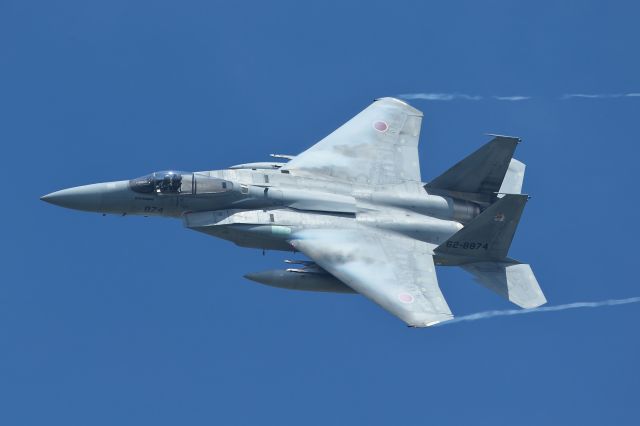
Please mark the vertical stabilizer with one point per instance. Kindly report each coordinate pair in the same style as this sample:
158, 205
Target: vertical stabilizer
489, 235
481, 172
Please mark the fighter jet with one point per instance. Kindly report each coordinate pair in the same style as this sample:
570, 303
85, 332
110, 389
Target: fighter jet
355, 204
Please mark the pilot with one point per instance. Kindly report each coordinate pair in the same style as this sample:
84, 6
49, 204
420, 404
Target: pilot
175, 182
165, 184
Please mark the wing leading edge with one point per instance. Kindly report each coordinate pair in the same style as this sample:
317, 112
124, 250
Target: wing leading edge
395, 272
376, 147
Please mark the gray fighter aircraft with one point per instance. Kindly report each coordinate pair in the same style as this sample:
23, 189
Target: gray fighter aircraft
355, 205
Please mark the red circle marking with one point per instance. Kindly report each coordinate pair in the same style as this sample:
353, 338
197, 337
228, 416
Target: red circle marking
381, 126
405, 298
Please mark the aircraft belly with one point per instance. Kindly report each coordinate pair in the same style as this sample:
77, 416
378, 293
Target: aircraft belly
262, 229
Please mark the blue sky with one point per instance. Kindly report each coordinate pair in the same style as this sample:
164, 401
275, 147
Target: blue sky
97, 328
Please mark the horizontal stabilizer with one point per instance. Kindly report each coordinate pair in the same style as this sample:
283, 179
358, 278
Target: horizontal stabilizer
489, 235
514, 282
481, 172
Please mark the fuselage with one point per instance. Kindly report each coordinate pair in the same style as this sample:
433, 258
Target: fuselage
260, 208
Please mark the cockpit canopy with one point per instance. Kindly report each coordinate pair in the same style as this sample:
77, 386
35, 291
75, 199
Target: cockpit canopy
159, 182
171, 182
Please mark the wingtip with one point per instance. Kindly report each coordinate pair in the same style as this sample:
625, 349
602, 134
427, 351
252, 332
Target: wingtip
430, 323
496, 135
391, 100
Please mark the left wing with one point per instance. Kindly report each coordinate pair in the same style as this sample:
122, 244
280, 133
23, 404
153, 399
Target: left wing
395, 272
376, 147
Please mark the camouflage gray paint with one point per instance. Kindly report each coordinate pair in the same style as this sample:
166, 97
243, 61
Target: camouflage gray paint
354, 203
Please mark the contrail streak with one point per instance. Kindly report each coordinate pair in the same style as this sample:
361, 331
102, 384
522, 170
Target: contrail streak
512, 98
440, 96
509, 312
600, 95
459, 97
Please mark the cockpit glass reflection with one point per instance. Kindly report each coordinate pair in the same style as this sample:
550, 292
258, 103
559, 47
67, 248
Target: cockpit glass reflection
166, 182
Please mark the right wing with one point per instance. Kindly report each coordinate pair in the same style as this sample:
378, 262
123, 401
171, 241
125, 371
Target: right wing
393, 271
488, 236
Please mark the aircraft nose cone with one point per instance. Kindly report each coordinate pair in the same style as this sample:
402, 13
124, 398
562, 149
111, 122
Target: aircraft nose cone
87, 197
47, 198
255, 276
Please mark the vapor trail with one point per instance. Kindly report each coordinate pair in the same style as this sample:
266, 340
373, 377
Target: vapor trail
512, 98
600, 95
459, 97
508, 312
440, 96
